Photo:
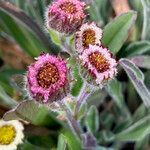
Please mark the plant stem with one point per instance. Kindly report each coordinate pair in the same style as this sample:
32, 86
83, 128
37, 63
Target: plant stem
81, 98
72, 122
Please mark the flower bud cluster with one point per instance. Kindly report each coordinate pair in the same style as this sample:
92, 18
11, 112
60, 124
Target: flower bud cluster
47, 78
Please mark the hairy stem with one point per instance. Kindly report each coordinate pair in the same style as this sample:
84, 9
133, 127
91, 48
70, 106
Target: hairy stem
72, 122
81, 98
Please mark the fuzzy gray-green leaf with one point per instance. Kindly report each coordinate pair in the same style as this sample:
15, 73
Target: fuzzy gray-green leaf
116, 32
61, 142
92, 119
137, 79
142, 61
136, 131
136, 48
114, 88
32, 112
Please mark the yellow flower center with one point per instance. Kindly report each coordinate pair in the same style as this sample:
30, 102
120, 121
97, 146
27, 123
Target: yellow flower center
99, 62
7, 134
88, 37
68, 7
47, 75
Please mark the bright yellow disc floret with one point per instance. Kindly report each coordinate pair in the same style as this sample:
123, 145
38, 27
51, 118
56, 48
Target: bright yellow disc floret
7, 134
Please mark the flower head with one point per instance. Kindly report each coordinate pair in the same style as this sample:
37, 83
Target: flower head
65, 15
47, 77
11, 134
88, 34
99, 63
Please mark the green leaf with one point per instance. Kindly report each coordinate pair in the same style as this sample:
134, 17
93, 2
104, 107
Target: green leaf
92, 120
61, 142
147, 79
137, 6
17, 17
82, 111
72, 142
6, 87
18, 14
136, 131
5, 99
142, 61
140, 112
137, 72
55, 36
116, 32
114, 88
137, 78
46, 141
5, 77
142, 144
32, 112
78, 83
28, 146
122, 125
146, 21
96, 98
21, 35
107, 120
41, 7
98, 11
136, 48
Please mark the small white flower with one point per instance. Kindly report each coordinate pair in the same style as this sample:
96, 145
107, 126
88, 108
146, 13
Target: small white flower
11, 134
88, 34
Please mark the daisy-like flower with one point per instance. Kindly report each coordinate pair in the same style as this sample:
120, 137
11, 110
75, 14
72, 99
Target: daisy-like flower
47, 78
65, 16
11, 134
99, 62
88, 34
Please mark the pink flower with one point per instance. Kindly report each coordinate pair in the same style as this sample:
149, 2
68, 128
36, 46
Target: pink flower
46, 77
99, 63
65, 15
88, 34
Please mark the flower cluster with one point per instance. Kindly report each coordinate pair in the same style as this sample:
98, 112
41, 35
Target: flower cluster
94, 57
47, 78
